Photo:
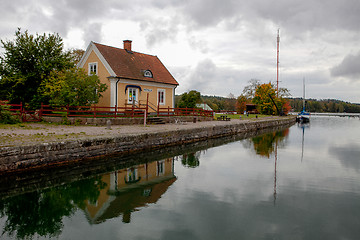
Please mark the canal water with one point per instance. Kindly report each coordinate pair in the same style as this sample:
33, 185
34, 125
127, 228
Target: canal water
301, 182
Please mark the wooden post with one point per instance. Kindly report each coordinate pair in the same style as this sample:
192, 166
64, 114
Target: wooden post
115, 110
147, 102
67, 110
158, 105
41, 110
95, 111
21, 111
145, 113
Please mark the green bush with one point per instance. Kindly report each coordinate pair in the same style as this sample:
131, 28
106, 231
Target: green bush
6, 117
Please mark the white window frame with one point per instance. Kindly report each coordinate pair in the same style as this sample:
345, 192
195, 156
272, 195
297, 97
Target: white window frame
148, 73
90, 70
132, 171
136, 95
160, 168
163, 91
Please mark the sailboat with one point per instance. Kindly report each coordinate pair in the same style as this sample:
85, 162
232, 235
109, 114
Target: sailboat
303, 116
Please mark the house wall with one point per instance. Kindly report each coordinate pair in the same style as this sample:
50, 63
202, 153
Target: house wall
91, 208
142, 95
146, 173
102, 73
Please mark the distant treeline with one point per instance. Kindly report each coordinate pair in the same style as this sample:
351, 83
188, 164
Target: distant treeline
312, 105
215, 102
324, 105
220, 103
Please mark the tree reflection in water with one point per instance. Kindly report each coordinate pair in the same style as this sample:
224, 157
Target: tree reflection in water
41, 212
264, 145
191, 160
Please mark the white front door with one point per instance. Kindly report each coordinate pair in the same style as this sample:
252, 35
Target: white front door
132, 95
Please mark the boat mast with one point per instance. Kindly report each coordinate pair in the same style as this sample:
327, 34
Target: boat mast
304, 94
277, 64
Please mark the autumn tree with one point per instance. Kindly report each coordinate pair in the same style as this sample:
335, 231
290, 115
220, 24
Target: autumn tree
262, 99
241, 103
265, 97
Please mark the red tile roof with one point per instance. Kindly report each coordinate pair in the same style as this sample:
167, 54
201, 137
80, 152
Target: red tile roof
131, 65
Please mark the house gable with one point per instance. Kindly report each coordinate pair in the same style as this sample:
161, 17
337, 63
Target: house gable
92, 48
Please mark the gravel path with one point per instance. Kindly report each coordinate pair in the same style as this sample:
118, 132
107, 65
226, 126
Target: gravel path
33, 133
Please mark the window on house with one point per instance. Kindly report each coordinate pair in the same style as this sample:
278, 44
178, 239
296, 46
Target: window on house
93, 203
160, 168
132, 95
93, 68
161, 96
132, 175
148, 73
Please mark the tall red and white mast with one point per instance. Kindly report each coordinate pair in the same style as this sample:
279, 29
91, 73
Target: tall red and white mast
277, 64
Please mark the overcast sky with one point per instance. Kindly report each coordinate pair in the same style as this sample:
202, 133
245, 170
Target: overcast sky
213, 46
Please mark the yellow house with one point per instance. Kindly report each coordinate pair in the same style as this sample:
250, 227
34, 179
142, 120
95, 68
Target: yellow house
132, 78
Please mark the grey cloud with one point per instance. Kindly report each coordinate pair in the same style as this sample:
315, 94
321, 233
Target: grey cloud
159, 35
160, 30
80, 14
210, 12
205, 76
349, 67
64, 15
200, 45
310, 15
208, 78
93, 33
296, 16
349, 156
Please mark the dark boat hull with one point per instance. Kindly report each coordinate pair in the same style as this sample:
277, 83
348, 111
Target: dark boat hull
302, 119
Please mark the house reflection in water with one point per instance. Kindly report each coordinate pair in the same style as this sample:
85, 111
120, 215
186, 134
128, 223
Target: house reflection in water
129, 189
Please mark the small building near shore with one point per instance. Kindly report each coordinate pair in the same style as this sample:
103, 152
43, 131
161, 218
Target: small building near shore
204, 106
251, 109
132, 78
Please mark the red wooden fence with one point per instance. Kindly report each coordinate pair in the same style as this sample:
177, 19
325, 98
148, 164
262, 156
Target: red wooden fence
100, 112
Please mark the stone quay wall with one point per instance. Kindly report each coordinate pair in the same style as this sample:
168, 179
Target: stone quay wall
122, 121
45, 154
